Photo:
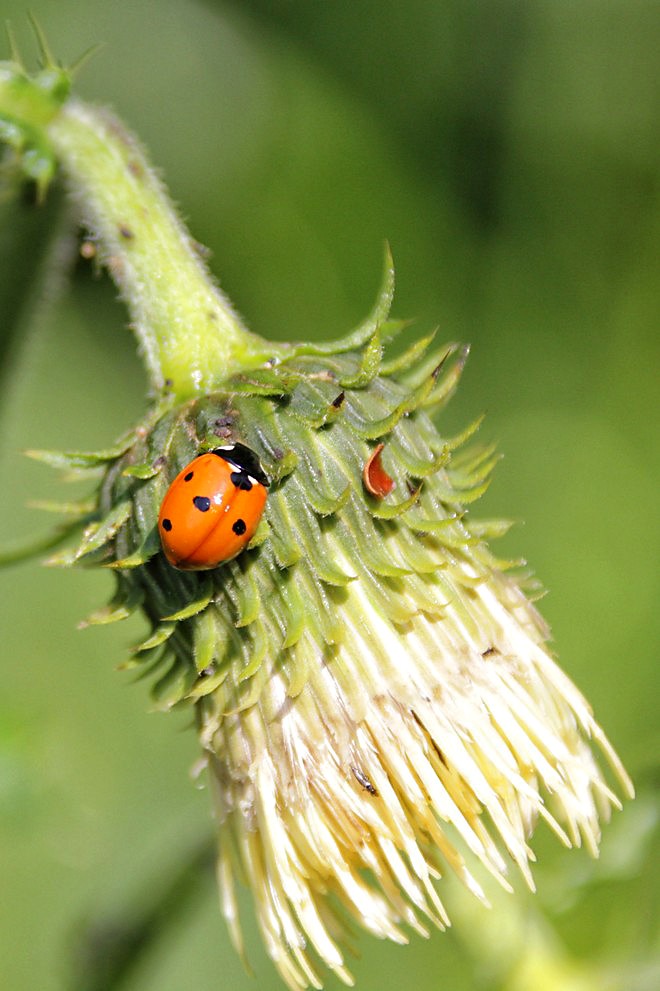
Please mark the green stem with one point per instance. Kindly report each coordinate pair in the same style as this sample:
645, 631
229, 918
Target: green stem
190, 337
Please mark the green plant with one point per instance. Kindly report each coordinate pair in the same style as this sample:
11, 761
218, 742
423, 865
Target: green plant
367, 671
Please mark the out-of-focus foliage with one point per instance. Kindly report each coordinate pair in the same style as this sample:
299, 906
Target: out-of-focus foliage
508, 150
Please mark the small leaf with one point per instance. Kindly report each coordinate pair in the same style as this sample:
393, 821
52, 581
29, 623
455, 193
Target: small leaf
162, 633
283, 533
409, 357
294, 615
204, 640
369, 365
173, 687
287, 552
207, 683
326, 505
247, 599
192, 608
369, 429
120, 607
261, 535
316, 402
98, 534
325, 618
419, 525
149, 547
84, 507
462, 497
455, 442
385, 595
490, 529
143, 472
480, 469
446, 386
417, 448
265, 382
286, 464
65, 558
257, 649
309, 535
392, 327
298, 674
78, 459
390, 511
508, 564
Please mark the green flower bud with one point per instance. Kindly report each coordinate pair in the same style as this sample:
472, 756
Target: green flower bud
373, 692
374, 697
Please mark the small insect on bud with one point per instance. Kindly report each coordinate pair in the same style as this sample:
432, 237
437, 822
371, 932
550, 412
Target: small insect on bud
376, 480
212, 508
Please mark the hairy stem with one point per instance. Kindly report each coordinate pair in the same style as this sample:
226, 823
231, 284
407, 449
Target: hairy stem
190, 336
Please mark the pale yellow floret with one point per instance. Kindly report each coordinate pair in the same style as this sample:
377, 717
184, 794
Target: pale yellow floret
411, 752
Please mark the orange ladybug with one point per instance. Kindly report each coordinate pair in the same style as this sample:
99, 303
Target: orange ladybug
212, 508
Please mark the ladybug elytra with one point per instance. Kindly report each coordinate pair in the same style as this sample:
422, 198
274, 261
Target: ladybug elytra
212, 508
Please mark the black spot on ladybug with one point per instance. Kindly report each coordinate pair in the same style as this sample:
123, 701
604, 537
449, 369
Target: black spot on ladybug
245, 460
167, 525
187, 477
239, 527
241, 480
203, 503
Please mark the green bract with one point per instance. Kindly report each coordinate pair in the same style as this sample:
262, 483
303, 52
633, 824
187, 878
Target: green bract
28, 103
313, 419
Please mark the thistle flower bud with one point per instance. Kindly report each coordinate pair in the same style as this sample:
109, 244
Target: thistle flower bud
373, 692
374, 697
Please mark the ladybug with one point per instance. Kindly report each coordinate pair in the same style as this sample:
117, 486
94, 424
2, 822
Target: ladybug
212, 508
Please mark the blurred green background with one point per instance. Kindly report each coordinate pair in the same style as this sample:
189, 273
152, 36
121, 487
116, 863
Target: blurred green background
509, 151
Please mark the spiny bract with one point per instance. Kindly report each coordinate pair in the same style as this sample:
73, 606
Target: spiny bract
313, 419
